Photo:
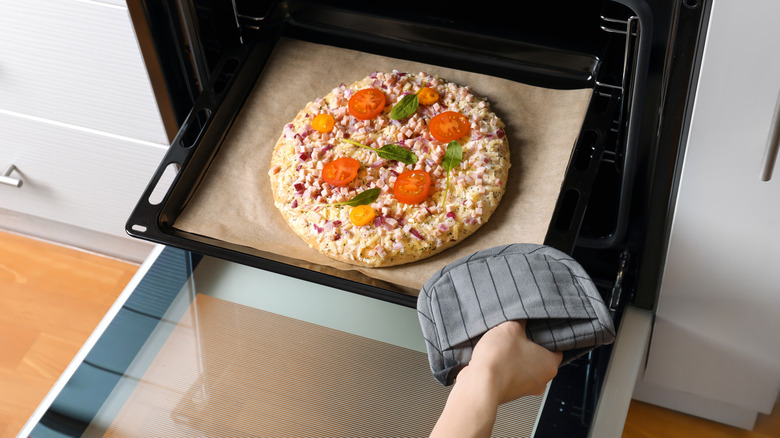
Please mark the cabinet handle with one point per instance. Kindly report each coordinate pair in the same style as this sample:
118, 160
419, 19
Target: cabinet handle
5, 177
772, 145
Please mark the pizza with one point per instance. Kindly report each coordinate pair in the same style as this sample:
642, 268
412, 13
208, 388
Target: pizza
391, 169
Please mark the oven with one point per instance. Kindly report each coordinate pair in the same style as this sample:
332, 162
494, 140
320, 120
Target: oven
636, 60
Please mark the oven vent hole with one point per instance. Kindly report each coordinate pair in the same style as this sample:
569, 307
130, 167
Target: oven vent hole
566, 211
225, 75
164, 183
194, 128
586, 150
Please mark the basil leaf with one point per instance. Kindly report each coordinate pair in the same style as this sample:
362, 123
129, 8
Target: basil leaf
453, 156
389, 152
357, 144
398, 153
405, 107
363, 198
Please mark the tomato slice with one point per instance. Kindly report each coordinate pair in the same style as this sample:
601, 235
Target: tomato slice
361, 215
448, 126
340, 171
323, 123
412, 186
428, 96
366, 103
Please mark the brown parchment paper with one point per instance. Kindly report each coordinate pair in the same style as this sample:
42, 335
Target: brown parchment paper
234, 203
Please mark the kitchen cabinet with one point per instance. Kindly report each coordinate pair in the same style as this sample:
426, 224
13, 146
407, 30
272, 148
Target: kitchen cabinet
79, 120
715, 346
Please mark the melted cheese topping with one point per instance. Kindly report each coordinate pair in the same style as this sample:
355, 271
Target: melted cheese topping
401, 232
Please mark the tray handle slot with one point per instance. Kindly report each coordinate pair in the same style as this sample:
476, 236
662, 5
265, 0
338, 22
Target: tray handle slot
584, 156
195, 127
158, 190
164, 183
225, 75
583, 167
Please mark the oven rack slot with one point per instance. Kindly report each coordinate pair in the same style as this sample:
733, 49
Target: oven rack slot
629, 28
618, 164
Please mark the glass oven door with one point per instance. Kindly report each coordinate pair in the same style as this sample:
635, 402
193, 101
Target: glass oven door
198, 346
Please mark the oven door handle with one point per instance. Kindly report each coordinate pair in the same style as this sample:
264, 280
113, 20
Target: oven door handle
772, 145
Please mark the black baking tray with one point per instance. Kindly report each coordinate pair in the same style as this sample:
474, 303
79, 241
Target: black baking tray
202, 133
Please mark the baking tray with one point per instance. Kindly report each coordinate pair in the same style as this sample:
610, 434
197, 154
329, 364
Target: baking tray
205, 130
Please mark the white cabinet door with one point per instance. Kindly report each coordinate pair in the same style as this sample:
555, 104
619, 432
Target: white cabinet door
77, 62
74, 176
717, 332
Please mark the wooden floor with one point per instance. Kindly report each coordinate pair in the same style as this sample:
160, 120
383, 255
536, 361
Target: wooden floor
52, 297
649, 421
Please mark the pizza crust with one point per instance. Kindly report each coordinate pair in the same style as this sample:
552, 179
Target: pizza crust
402, 233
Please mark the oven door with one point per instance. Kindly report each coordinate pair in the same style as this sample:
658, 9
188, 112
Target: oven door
200, 346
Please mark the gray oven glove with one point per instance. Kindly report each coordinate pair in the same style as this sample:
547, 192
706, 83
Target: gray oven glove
519, 281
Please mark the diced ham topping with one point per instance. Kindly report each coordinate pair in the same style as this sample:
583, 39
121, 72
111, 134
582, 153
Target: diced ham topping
394, 223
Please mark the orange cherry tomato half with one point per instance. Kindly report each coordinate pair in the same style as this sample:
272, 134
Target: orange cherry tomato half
362, 215
448, 126
340, 171
323, 123
412, 186
428, 96
366, 103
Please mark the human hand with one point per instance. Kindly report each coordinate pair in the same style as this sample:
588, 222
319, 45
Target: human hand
505, 365
513, 363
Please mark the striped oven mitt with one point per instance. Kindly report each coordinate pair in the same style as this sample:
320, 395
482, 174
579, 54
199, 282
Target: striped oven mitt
519, 281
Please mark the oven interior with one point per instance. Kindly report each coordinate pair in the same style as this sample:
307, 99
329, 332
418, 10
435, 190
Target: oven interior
638, 58
594, 46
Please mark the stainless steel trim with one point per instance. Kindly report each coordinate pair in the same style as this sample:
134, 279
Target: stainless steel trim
772, 145
5, 177
628, 355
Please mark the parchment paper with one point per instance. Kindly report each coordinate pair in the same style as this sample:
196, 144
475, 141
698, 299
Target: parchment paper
234, 203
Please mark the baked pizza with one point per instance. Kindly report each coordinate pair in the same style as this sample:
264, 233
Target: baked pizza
391, 169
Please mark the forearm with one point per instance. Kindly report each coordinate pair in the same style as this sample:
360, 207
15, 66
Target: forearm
471, 407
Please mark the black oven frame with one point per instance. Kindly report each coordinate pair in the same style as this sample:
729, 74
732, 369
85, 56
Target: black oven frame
193, 46
218, 100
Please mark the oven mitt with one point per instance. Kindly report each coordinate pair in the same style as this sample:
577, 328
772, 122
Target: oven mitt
547, 287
